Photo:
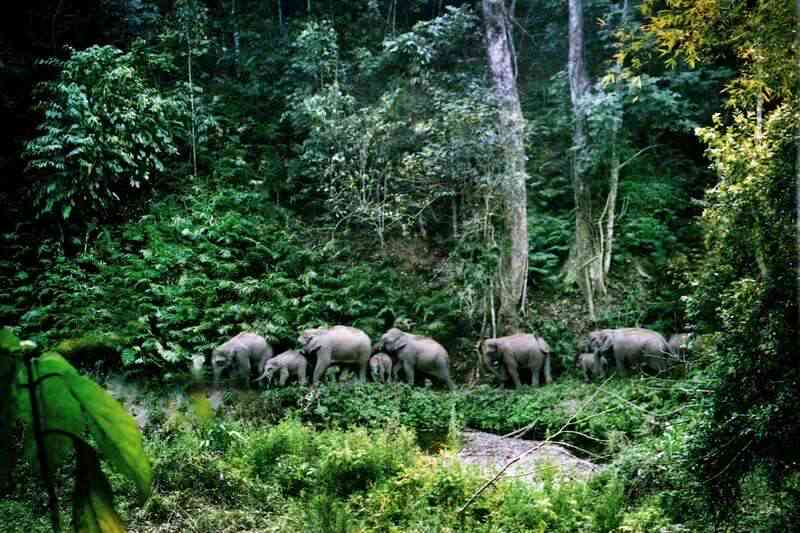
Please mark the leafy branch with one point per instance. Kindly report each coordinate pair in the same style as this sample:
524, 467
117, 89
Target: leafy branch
59, 407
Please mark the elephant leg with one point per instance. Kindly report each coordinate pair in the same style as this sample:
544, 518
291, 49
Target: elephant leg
444, 375
535, 370
243, 362
618, 358
217, 373
548, 376
362, 374
301, 374
323, 362
284, 376
515, 376
408, 368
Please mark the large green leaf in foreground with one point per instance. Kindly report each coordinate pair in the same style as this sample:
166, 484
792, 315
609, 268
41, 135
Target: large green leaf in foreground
114, 430
93, 509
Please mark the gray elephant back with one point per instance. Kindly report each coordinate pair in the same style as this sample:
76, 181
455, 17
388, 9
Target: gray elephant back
523, 343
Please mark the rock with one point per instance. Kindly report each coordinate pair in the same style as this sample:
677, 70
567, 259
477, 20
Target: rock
490, 453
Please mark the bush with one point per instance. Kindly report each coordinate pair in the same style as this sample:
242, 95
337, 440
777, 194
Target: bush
288, 455
356, 460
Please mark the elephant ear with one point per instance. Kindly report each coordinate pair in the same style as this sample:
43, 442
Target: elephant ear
394, 341
313, 344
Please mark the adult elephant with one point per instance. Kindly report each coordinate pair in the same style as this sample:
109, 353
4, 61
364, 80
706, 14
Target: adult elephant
632, 346
414, 352
335, 345
519, 351
244, 351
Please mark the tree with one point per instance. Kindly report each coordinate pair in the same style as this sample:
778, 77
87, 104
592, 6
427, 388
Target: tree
106, 133
513, 272
587, 264
747, 287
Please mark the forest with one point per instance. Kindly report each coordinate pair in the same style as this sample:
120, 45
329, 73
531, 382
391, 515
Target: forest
385, 265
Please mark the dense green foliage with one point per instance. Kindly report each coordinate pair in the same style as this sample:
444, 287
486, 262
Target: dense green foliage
747, 286
106, 133
189, 169
233, 472
206, 264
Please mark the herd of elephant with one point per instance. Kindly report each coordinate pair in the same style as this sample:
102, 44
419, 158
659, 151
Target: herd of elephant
398, 351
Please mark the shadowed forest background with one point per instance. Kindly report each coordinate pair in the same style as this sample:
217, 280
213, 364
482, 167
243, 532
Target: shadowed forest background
175, 172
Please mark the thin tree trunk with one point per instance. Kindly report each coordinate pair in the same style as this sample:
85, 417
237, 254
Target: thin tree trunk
281, 19
797, 162
613, 188
613, 180
578, 86
191, 100
513, 270
236, 40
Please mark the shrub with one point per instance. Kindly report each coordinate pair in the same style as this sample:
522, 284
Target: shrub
287, 454
356, 460
196, 270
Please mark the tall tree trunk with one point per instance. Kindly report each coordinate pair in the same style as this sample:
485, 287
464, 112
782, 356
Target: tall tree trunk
607, 242
611, 202
514, 265
585, 258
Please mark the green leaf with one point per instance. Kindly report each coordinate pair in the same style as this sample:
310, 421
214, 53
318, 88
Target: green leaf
8, 370
114, 430
8, 341
93, 510
60, 412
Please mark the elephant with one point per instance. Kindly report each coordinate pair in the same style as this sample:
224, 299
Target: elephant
289, 363
246, 350
519, 351
593, 365
631, 346
414, 352
338, 344
380, 366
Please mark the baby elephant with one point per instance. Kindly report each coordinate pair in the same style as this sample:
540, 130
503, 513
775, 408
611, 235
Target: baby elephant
289, 363
380, 367
593, 365
245, 351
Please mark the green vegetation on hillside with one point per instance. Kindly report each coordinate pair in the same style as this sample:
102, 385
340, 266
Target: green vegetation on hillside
178, 171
